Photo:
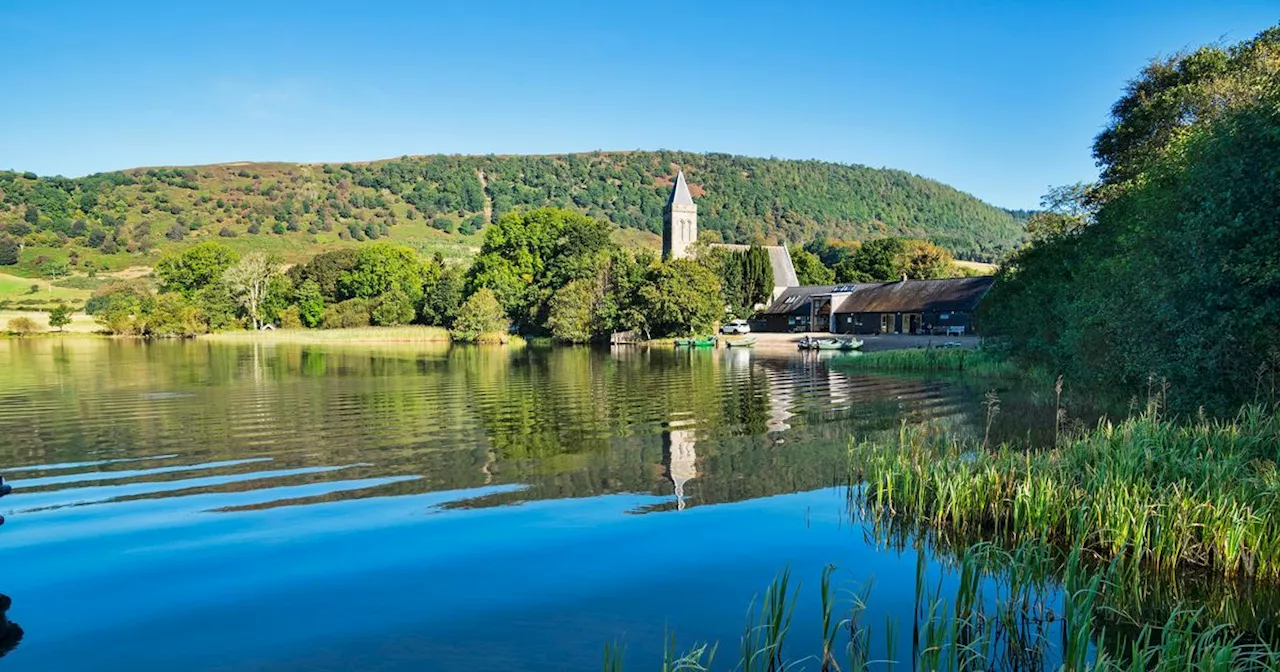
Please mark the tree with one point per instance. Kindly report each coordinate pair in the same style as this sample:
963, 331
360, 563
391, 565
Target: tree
23, 326
383, 267
392, 308
60, 316
810, 270
310, 303
326, 270
196, 267
249, 283
442, 298
682, 298
575, 311
8, 251
479, 316
55, 268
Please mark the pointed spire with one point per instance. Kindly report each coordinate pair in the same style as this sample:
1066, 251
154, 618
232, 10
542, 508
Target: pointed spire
680, 193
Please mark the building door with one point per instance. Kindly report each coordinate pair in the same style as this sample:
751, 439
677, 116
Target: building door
886, 324
912, 323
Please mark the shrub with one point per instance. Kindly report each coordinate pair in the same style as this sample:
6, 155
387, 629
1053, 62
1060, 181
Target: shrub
290, 318
480, 316
345, 315
60, 317
23, 326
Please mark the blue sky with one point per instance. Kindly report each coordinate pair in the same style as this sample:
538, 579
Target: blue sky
1001, 99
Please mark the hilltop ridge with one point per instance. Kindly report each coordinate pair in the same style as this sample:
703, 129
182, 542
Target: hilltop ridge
441, 203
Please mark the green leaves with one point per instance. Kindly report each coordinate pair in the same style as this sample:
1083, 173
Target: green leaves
195, 268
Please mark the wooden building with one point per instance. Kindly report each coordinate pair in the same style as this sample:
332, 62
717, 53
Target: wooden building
942, 307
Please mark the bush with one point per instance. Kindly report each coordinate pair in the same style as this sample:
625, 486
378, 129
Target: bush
23, 326
290, 318
480, 316
345, 315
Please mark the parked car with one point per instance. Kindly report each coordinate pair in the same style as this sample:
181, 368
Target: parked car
736, 327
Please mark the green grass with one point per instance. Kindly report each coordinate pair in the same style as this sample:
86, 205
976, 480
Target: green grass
1161, 494
935, 360
406, 334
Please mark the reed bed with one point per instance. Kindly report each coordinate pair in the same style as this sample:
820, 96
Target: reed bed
405, 334
1006, 614
1156, 493
983, 363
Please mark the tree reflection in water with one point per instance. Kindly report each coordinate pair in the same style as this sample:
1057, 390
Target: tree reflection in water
10, 632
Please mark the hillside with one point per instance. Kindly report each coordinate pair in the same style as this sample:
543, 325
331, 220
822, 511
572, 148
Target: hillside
441, 203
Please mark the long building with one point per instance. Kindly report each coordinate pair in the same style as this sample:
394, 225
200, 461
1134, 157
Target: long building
946, 306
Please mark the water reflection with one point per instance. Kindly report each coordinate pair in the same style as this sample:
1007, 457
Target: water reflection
10, 633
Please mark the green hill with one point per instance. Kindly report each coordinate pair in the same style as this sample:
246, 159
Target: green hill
441, 204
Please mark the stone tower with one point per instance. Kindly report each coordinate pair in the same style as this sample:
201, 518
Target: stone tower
679, 221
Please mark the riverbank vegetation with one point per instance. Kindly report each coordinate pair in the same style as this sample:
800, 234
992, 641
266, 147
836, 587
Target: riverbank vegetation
1166, 265
982, 363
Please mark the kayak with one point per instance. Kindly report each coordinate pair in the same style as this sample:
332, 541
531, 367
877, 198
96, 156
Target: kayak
830, 344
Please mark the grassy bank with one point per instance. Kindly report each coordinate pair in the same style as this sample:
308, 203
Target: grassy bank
936, 360
1162, 494
406, 334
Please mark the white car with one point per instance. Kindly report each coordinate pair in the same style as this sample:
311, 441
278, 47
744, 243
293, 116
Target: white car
736, 327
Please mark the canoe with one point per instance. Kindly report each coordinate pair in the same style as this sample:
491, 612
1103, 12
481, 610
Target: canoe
740, 342
695, 342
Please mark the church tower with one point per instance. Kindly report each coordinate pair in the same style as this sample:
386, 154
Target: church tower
679, 221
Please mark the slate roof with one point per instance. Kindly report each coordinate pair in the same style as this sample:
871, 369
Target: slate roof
948, 294
680, 193
917, 295
784, 273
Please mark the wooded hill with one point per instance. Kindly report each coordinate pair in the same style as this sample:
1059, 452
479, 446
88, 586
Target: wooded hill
441, 202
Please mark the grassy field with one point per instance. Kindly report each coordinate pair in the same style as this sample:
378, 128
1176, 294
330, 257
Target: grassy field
978, 267
16, 291
80, 322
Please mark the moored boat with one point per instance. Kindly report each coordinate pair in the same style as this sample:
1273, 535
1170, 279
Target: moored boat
740, 342
705, 342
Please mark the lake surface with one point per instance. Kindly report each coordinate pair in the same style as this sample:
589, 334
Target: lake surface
204, 506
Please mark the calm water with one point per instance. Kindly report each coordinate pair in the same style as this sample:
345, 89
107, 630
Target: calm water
202, 506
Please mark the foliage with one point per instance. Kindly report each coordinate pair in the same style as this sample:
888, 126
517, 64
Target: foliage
1173, 273
527, 256
575, 311
809, 268
8, 251
249, 282
746, 277
326, 270
681, 298
22, 326
310, 303
381, 268
196, 267
959, 360
348, 314
391, 308
442, 299
889, 259
60, 316
481, 314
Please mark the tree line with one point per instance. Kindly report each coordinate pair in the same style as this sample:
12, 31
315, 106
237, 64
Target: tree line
1164, 271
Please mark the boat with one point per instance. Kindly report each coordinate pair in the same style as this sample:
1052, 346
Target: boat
740, 342
830, 344
705, 342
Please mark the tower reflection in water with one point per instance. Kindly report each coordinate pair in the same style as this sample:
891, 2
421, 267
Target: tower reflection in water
679, 455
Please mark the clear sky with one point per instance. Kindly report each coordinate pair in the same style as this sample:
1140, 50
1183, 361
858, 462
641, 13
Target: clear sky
1001, 99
